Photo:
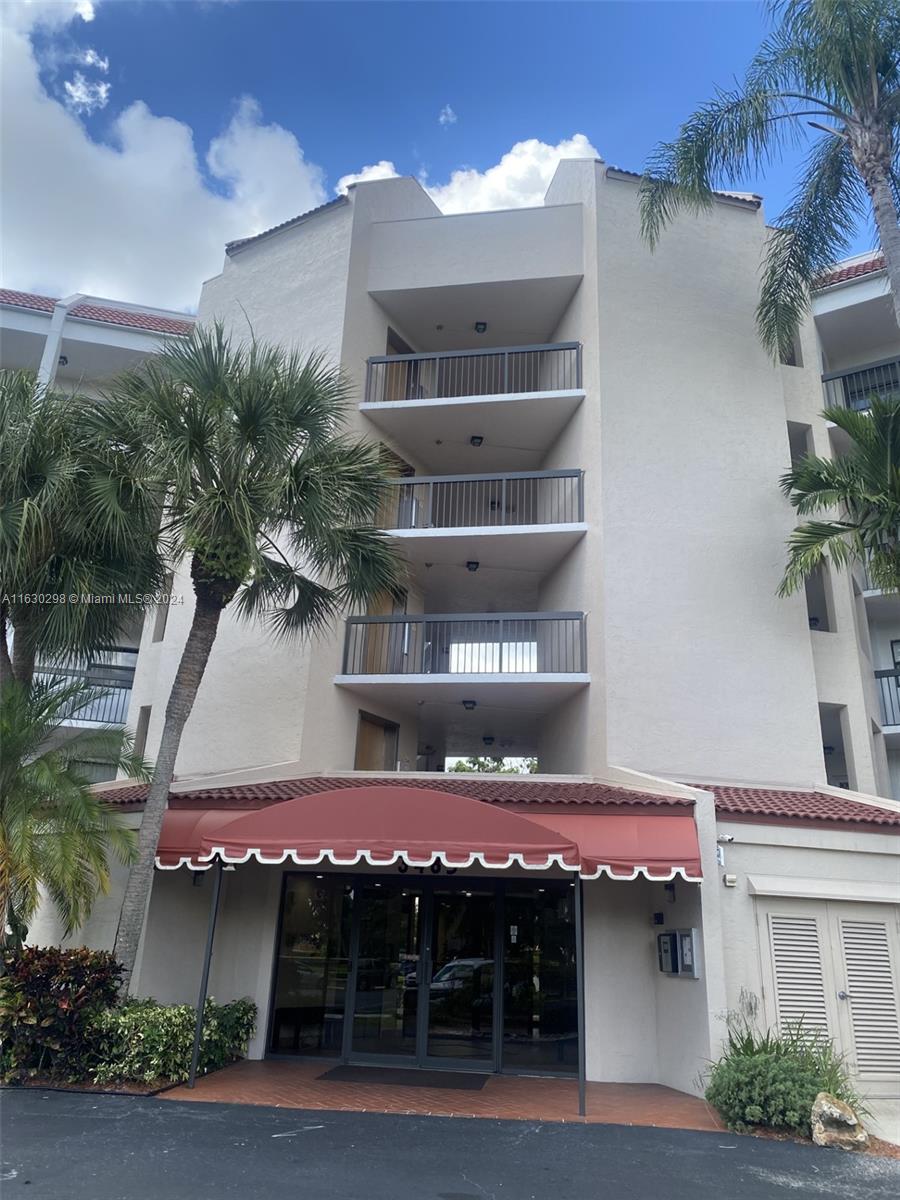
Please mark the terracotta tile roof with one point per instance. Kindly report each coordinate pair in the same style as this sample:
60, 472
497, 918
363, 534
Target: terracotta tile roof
841, 274
494, 790
749, 198
797, 806
732, 803
239, 243
134, 318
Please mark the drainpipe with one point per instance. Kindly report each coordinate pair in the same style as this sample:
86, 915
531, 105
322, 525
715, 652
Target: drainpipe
579, 984
204, 978
50, 358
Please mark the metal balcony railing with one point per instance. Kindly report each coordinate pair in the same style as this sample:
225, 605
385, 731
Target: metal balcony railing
888, 683
110, 673
856, 387
449, 374
471, 644
495, 501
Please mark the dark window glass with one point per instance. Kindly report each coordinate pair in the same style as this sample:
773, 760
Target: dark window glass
312, 968
540, 1025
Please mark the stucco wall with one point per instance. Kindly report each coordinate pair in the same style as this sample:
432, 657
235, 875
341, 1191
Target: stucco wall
710, 671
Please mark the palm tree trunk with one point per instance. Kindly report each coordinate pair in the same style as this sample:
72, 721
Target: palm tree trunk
23, 658
6, 668
194, 658
872, 156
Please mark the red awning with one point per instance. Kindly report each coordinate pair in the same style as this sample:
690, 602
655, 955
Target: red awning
659, 845
383, 825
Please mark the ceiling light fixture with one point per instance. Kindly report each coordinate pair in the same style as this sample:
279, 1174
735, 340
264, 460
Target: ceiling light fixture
481, 326
468, 705
472, 565
488, 740
476, 440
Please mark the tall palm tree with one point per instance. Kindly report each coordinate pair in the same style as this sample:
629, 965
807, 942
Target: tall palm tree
72, 523
56, 834
863, 486
829, 65
264, 496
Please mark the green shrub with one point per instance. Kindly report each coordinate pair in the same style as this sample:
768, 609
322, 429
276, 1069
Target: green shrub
48, 999
772, 1078
763, 1089
143, 1041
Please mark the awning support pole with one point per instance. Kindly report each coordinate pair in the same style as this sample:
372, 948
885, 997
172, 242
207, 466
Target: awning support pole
204, 977
579, 985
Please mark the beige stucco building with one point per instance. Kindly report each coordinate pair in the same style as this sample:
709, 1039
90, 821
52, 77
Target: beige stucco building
587, 440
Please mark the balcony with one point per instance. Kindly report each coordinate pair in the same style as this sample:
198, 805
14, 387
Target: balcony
888, 685
856, 387
523, 519
110, 673
507, 658
454, 409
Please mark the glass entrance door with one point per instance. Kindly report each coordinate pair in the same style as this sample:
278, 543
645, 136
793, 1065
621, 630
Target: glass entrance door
423, 987
386, 993
459, 961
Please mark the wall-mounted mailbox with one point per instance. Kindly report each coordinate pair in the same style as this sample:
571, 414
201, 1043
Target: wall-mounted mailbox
688, 953
667, 949
677, 950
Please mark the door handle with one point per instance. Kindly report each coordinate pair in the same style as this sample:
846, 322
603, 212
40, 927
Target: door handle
844, 995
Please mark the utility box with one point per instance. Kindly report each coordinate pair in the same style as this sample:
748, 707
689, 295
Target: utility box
667, 950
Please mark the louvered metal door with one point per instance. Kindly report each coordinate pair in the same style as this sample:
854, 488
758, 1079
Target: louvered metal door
869, 993
798, 971
836, 968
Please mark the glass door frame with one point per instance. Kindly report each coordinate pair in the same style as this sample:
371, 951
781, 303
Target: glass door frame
426, 885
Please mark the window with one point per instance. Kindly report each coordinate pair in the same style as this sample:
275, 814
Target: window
140, 731
161, 615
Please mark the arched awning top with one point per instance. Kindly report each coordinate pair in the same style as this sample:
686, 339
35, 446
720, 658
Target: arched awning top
382, 825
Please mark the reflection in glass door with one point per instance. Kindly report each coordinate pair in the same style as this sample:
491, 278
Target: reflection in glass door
461, 978
386, 997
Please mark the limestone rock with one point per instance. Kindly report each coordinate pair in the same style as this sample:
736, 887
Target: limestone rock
834, 1123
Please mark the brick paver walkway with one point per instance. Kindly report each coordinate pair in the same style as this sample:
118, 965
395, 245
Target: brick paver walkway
511, 1097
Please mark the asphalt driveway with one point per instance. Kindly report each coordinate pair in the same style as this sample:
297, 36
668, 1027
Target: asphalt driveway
59, 1146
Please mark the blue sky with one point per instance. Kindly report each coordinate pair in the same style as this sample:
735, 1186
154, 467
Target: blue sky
226, 116
361, 82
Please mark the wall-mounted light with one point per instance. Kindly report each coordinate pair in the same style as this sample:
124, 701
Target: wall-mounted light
476, 439
472, 565
481, 326
826, 750
63, 360
468, 705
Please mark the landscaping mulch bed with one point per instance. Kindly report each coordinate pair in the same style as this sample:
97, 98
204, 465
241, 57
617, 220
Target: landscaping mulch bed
877, 1146
128, 1088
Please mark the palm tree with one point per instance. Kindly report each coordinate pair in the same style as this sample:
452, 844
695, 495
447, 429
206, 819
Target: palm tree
832, 65
864, 486
264, 496
71, 524
56, 834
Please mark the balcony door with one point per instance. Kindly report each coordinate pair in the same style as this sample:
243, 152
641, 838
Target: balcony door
424, 982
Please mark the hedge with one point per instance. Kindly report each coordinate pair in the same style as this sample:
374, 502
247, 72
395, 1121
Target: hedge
60, 1019
143, 1041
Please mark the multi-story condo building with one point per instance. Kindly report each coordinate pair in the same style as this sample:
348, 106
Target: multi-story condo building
586, 439
80, 342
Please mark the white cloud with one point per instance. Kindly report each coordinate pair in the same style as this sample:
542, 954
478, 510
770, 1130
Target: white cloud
134, 218
144, 215
379, 170
83, 96
447, 116
90, 58
518, 180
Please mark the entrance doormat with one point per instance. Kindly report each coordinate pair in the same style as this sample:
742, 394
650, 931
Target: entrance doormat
465, 1081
